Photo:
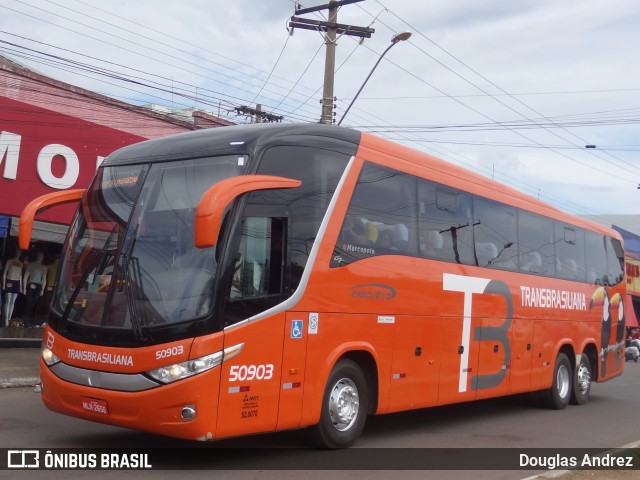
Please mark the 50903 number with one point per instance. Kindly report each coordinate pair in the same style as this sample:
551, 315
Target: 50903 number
169, 352
241, 373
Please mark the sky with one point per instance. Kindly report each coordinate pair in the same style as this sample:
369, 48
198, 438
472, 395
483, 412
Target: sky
513, 90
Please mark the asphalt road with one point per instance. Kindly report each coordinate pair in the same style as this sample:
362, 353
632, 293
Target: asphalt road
607, 421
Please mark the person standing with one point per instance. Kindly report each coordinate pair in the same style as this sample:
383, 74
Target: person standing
33, 283
52, 271
11, 284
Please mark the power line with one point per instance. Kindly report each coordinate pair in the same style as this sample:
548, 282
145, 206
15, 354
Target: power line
521, 94
583, 141
42, 57
128, 48
271, 72
185, 42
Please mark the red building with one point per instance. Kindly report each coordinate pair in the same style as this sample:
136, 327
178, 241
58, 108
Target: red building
53, 135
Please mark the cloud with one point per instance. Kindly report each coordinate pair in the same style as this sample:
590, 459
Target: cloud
562, 72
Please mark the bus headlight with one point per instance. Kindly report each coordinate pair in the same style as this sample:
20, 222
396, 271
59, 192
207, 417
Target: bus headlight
178, 371
49, 357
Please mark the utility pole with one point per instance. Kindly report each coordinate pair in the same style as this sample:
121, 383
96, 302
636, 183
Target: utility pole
331, 29
329, 66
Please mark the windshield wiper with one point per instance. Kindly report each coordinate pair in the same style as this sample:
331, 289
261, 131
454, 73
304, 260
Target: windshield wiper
128, 260
101, 262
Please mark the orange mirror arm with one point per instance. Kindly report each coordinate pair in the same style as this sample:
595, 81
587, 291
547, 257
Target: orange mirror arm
28, 215
211, 207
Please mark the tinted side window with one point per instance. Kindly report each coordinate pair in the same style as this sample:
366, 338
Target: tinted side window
319, 171
569, 241
615, 261
445, 223
496, 234
381, 219
596, 259
278, 229
535, 233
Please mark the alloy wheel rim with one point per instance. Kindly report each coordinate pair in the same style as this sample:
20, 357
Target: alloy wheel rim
344, 404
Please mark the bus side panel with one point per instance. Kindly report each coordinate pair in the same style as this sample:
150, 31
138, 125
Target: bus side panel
459, 360
538, 367
494, 358
416, 363
250, 381
337, 335
615, 348
522, 355
293, 370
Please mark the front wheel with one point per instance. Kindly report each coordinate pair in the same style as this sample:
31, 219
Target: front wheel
344, 406
558, 396
581, 382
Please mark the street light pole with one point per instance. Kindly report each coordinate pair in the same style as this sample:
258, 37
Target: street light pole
400, 37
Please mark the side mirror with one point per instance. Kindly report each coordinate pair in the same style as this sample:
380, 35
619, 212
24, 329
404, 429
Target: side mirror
214, 201
39, 205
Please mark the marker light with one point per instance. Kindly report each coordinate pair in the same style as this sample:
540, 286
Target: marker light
49, 357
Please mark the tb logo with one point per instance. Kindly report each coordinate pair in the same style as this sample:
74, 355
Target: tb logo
480, 286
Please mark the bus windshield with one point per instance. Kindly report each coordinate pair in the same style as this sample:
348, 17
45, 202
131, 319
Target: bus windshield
130, 262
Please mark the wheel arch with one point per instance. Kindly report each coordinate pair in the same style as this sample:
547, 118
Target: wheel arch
591, 352
364, 355
568, 349
369, 367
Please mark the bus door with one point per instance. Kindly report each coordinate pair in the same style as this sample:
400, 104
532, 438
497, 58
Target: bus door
296, 332
250, 383
416, 362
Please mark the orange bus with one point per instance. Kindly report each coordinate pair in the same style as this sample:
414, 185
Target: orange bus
266, 277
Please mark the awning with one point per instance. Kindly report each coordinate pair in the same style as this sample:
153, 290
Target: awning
44, 231
631, 319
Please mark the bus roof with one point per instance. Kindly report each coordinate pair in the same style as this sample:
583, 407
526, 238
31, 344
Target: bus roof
248, 138
245, 138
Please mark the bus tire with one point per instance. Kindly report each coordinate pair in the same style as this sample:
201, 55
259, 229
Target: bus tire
581, 382
558, 396
344, 406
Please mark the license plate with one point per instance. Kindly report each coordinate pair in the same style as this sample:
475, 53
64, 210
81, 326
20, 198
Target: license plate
94, 405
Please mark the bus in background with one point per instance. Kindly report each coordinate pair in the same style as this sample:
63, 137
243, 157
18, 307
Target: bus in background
266, 277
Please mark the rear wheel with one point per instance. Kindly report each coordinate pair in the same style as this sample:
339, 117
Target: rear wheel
344, 406
558, 396
581, 382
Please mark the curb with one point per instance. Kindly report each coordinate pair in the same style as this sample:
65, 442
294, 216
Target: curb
20, 342
18, 382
